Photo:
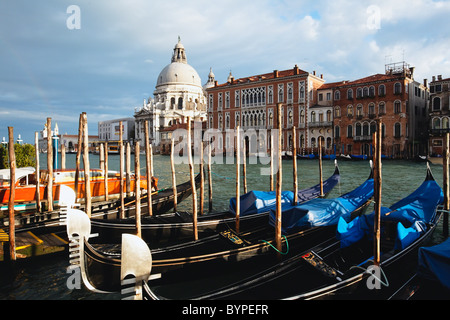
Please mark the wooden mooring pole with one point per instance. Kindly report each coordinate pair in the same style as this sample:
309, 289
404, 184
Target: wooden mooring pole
202, 181
37, 174
279, 183
148, 166
87, 169
244, 165
12, 195
446, 184
127, 169
121, 164
210, 190
106, 172
191, 172
49, 165
377, 194
294, 164
78, 156
238, 178
320, 168
137, 187
174, 179
271, 162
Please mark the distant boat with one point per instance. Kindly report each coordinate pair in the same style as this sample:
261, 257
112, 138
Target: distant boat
25, 191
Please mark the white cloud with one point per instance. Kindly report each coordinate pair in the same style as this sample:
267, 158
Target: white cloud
48, 70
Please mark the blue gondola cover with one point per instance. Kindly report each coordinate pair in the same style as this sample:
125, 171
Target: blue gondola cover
434, 263
323, 212
412, 212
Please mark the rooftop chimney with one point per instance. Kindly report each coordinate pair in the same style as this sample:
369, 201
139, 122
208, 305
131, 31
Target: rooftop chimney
275, 73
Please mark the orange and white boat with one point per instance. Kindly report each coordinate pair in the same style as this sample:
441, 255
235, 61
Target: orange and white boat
25, 185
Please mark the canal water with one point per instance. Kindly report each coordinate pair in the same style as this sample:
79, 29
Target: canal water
45, 278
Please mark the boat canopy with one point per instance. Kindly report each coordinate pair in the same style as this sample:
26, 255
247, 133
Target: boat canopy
260, 201
264, 201
410, 215
5, 174
434, 263
323, 212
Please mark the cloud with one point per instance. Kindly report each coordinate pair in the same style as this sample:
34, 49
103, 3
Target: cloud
111, 64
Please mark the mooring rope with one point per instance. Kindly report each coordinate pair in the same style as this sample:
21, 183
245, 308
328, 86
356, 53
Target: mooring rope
287, 246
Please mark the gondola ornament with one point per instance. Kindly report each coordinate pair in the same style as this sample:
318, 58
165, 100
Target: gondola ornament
78, 227
136, 261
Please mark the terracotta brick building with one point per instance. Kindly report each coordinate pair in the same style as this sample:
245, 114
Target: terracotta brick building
395, 99
251, 103
342, 114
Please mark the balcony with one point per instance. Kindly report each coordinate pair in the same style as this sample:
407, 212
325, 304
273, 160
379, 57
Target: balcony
363, 138
317, 124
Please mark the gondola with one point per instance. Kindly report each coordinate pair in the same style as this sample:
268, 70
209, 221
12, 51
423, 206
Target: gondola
197, 258
162, 201
342, 267
178, 226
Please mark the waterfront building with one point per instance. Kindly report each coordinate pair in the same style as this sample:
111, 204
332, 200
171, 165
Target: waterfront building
251, 103
395, 98
109, 130
439, 114
178, 94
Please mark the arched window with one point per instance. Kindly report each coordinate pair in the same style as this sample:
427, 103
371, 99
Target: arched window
381, 108
397, 130
350, 110
397, 107
349, 131
445, 123
313, 116
372, 91
359, 93
349, 94
397, 88
337, 132
357, 129
359, 110
365, 129
337, 112
436, 103
436, 123
337, 95
302, 116
382, 90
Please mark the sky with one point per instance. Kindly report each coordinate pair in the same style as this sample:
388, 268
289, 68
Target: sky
60, 58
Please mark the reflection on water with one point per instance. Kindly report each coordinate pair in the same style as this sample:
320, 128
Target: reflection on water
45, 278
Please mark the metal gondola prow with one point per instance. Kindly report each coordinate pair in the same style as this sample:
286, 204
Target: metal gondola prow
136, 261
78, 227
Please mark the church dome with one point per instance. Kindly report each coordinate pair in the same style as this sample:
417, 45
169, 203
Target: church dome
179, 71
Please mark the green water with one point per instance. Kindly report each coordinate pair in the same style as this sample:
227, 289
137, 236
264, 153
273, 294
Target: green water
46, 279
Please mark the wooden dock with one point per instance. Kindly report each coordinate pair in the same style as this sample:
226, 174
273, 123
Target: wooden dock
29, 244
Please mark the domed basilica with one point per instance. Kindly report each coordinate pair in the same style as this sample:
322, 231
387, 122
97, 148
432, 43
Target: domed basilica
178, 94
